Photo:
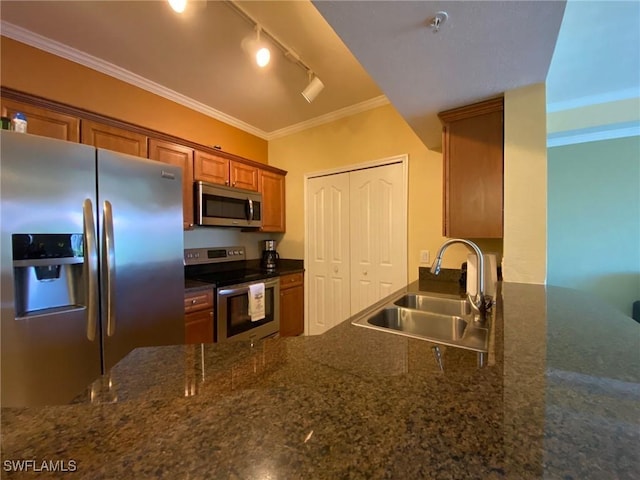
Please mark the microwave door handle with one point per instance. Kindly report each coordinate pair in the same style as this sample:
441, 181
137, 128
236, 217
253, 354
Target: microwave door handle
250, 209
91, 268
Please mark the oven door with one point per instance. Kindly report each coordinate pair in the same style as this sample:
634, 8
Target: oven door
233, 320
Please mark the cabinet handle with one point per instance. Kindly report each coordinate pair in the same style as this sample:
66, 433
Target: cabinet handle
194, 301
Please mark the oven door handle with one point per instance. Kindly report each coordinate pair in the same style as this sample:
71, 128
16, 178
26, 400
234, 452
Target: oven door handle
243, 288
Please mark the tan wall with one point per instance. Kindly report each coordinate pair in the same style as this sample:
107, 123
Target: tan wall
525, 185
368, 136
40, 73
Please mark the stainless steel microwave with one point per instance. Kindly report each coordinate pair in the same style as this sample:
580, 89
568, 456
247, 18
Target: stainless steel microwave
221, 206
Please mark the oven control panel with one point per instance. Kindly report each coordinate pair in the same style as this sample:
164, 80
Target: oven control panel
201, 256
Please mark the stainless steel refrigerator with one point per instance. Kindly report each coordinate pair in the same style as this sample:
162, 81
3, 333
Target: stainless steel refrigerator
92, 264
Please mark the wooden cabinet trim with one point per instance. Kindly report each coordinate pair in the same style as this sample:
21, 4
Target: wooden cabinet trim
480, 108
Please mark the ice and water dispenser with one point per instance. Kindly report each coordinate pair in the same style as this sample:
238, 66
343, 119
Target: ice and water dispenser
48, 273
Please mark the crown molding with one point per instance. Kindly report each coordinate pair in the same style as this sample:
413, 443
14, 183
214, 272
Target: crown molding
61, 50
329, 117
594, 134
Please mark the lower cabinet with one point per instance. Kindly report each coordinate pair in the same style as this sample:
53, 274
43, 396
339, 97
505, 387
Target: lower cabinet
292, 304
198, 317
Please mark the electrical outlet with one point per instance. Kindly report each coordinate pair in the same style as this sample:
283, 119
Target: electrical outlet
424, 256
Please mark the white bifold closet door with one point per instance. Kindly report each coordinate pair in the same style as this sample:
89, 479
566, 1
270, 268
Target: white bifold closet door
378, 234
357, 242
328, 253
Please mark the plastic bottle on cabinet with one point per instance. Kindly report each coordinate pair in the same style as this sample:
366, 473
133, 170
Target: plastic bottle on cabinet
20, 122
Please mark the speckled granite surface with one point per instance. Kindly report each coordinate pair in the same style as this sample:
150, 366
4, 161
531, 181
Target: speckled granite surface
559, 398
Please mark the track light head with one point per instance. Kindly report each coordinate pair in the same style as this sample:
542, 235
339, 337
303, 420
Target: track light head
263, 55
313, 88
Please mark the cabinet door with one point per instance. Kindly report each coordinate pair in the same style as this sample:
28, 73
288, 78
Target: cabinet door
292, 311
44, 122
211, 168
113, 138
272, 187
198, 327
473, 171
244, 176
175, 154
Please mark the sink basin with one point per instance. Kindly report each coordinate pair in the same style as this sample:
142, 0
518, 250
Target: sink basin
433, 304
438, 319
433, 326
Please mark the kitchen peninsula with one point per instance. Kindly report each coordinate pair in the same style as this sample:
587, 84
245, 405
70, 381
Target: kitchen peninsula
558, 398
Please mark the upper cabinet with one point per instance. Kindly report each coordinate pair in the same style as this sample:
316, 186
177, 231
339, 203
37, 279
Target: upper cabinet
113, 138
181, 156
272, 187
219, 170
65, 122
473, 170
45, 122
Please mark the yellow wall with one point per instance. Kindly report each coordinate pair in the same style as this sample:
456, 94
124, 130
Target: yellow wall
364, 137
40, 73
525, 185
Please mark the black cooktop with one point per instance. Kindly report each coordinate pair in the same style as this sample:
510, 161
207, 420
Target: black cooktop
231, 273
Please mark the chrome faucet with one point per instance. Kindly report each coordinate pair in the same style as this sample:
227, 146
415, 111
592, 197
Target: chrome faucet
480, 303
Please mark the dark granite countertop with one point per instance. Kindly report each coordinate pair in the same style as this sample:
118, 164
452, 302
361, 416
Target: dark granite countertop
284, 266
558, 399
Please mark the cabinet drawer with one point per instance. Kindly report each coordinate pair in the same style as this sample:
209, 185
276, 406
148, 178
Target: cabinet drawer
291, 280
196, 301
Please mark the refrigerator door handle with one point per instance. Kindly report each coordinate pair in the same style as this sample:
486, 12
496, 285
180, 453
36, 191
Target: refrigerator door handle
110, 267
90, 268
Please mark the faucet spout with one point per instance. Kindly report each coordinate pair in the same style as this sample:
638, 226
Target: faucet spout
479, 302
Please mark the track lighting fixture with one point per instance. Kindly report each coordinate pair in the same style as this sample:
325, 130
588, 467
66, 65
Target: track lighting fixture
178, 5
313, 88
263, 55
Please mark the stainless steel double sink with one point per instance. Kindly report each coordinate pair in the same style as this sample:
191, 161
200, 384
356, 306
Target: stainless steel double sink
435, 318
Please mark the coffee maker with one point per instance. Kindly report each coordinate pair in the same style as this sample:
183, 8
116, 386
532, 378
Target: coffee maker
269, 255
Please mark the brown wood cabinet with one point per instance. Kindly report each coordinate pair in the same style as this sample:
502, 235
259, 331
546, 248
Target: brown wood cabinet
473, 170
113, 138
272, 187
44, 122
292, 304
210, 168
181, 156
198, 317
53, 119
219, 170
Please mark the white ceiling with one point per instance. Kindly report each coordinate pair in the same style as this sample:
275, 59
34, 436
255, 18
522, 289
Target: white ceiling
484, 48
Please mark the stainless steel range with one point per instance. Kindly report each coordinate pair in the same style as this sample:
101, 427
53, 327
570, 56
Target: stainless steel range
239, 287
